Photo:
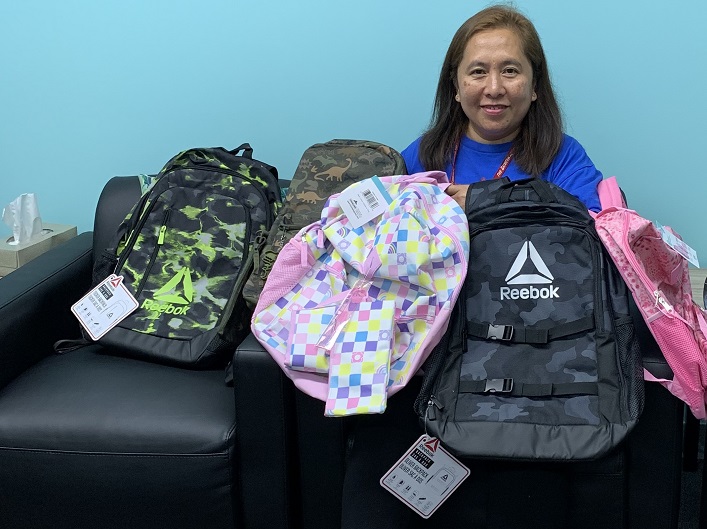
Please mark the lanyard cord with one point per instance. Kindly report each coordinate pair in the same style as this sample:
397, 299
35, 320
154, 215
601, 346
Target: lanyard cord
502, 168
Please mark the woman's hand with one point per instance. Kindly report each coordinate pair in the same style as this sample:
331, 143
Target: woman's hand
458, 193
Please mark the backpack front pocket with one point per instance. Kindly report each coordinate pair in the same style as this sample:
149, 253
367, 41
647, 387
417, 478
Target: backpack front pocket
185, 266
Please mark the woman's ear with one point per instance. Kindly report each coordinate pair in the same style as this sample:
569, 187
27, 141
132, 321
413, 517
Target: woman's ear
456, 89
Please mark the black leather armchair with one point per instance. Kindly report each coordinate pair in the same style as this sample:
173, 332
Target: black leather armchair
90, 440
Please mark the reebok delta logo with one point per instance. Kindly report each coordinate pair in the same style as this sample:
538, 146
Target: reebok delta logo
167, 298
529, 269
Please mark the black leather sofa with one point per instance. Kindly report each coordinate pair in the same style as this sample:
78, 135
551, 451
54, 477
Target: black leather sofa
93, 440
90, 440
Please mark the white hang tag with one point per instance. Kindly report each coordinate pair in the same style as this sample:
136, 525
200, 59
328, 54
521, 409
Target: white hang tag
678, 245
425, 476
104, 306
364, 201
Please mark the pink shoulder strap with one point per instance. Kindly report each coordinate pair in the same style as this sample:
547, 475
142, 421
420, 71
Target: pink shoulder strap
610, 193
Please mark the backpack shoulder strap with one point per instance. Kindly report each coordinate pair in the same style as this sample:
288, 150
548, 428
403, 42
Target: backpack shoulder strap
610, 193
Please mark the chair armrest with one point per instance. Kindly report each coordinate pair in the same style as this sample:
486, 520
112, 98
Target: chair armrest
265, 438
117, 198
35, 304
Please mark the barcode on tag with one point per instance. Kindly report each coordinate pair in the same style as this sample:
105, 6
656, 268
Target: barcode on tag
105, 306
370, 198
364, 201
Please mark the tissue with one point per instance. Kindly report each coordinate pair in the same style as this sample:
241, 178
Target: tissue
22, 215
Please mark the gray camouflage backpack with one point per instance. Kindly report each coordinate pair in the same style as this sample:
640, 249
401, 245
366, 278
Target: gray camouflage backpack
324, 169
185, 251
540, 360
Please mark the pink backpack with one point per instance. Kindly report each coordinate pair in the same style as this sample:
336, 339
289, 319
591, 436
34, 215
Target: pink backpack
659, 280
350, 312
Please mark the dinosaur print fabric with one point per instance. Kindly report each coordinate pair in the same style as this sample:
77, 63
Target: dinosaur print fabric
324, 169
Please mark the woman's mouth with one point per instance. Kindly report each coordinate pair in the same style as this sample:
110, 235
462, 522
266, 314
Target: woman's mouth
494, 109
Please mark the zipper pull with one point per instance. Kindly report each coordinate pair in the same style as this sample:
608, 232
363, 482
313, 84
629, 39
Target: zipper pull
160, 237
431, 404
660, 300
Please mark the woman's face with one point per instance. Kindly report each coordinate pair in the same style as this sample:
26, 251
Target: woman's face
495, 85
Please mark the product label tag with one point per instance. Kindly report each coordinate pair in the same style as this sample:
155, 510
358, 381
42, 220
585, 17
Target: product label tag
425, 476
678, 245
364, 201
105, 306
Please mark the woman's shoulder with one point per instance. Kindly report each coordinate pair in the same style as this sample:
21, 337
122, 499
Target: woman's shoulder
571, 153
411, 155
570, 145
574, 171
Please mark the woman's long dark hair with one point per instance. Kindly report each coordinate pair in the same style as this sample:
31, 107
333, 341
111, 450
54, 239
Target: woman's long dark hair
540, 134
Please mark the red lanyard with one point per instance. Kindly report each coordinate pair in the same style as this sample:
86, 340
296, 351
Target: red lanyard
502, 168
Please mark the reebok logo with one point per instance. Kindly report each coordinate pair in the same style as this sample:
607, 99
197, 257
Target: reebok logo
529, 269
170, 295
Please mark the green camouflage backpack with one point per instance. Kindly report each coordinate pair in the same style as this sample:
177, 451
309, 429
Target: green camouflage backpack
325, 169
185, 252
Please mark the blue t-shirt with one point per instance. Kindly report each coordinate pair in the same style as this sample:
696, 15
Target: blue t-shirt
571, 169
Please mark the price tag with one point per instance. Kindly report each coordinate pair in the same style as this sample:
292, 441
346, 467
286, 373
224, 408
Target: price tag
104, 307
364, 201
678, 245
425, 476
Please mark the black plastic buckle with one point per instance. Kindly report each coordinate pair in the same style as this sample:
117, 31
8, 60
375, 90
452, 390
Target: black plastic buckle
499, 332
499, 385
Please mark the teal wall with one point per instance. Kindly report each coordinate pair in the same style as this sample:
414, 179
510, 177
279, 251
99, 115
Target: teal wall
90, 89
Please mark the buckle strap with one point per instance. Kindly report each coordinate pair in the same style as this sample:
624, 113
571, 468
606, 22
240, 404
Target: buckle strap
489, 331
522, 334
498, 385
499, 332
508, 387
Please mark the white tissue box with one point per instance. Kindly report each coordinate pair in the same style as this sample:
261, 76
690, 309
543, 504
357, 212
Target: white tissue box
14, 256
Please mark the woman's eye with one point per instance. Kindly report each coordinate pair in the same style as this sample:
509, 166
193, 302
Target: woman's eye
476, 72
510, 71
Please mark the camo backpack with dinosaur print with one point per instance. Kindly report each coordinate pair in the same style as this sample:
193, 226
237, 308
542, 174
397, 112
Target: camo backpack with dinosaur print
325, 169
185, 251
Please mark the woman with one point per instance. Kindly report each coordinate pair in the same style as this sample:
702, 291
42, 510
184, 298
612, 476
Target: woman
495, 113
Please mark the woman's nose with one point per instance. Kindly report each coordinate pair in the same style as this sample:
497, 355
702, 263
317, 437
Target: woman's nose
494, 85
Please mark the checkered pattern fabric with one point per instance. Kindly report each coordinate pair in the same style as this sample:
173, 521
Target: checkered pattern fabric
303, 353
360, 360
410, 262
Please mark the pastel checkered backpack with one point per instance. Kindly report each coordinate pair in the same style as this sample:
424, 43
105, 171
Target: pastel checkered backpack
350, 313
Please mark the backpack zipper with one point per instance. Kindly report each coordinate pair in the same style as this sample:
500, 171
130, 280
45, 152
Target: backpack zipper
155, 251
661, 303
432, 366
132, 237
129, 233
431, 404
449, 233
232, 172
463, 332
513, 223
462, 291
243, 273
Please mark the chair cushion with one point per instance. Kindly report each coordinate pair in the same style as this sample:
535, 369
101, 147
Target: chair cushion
92, 440
85, 401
